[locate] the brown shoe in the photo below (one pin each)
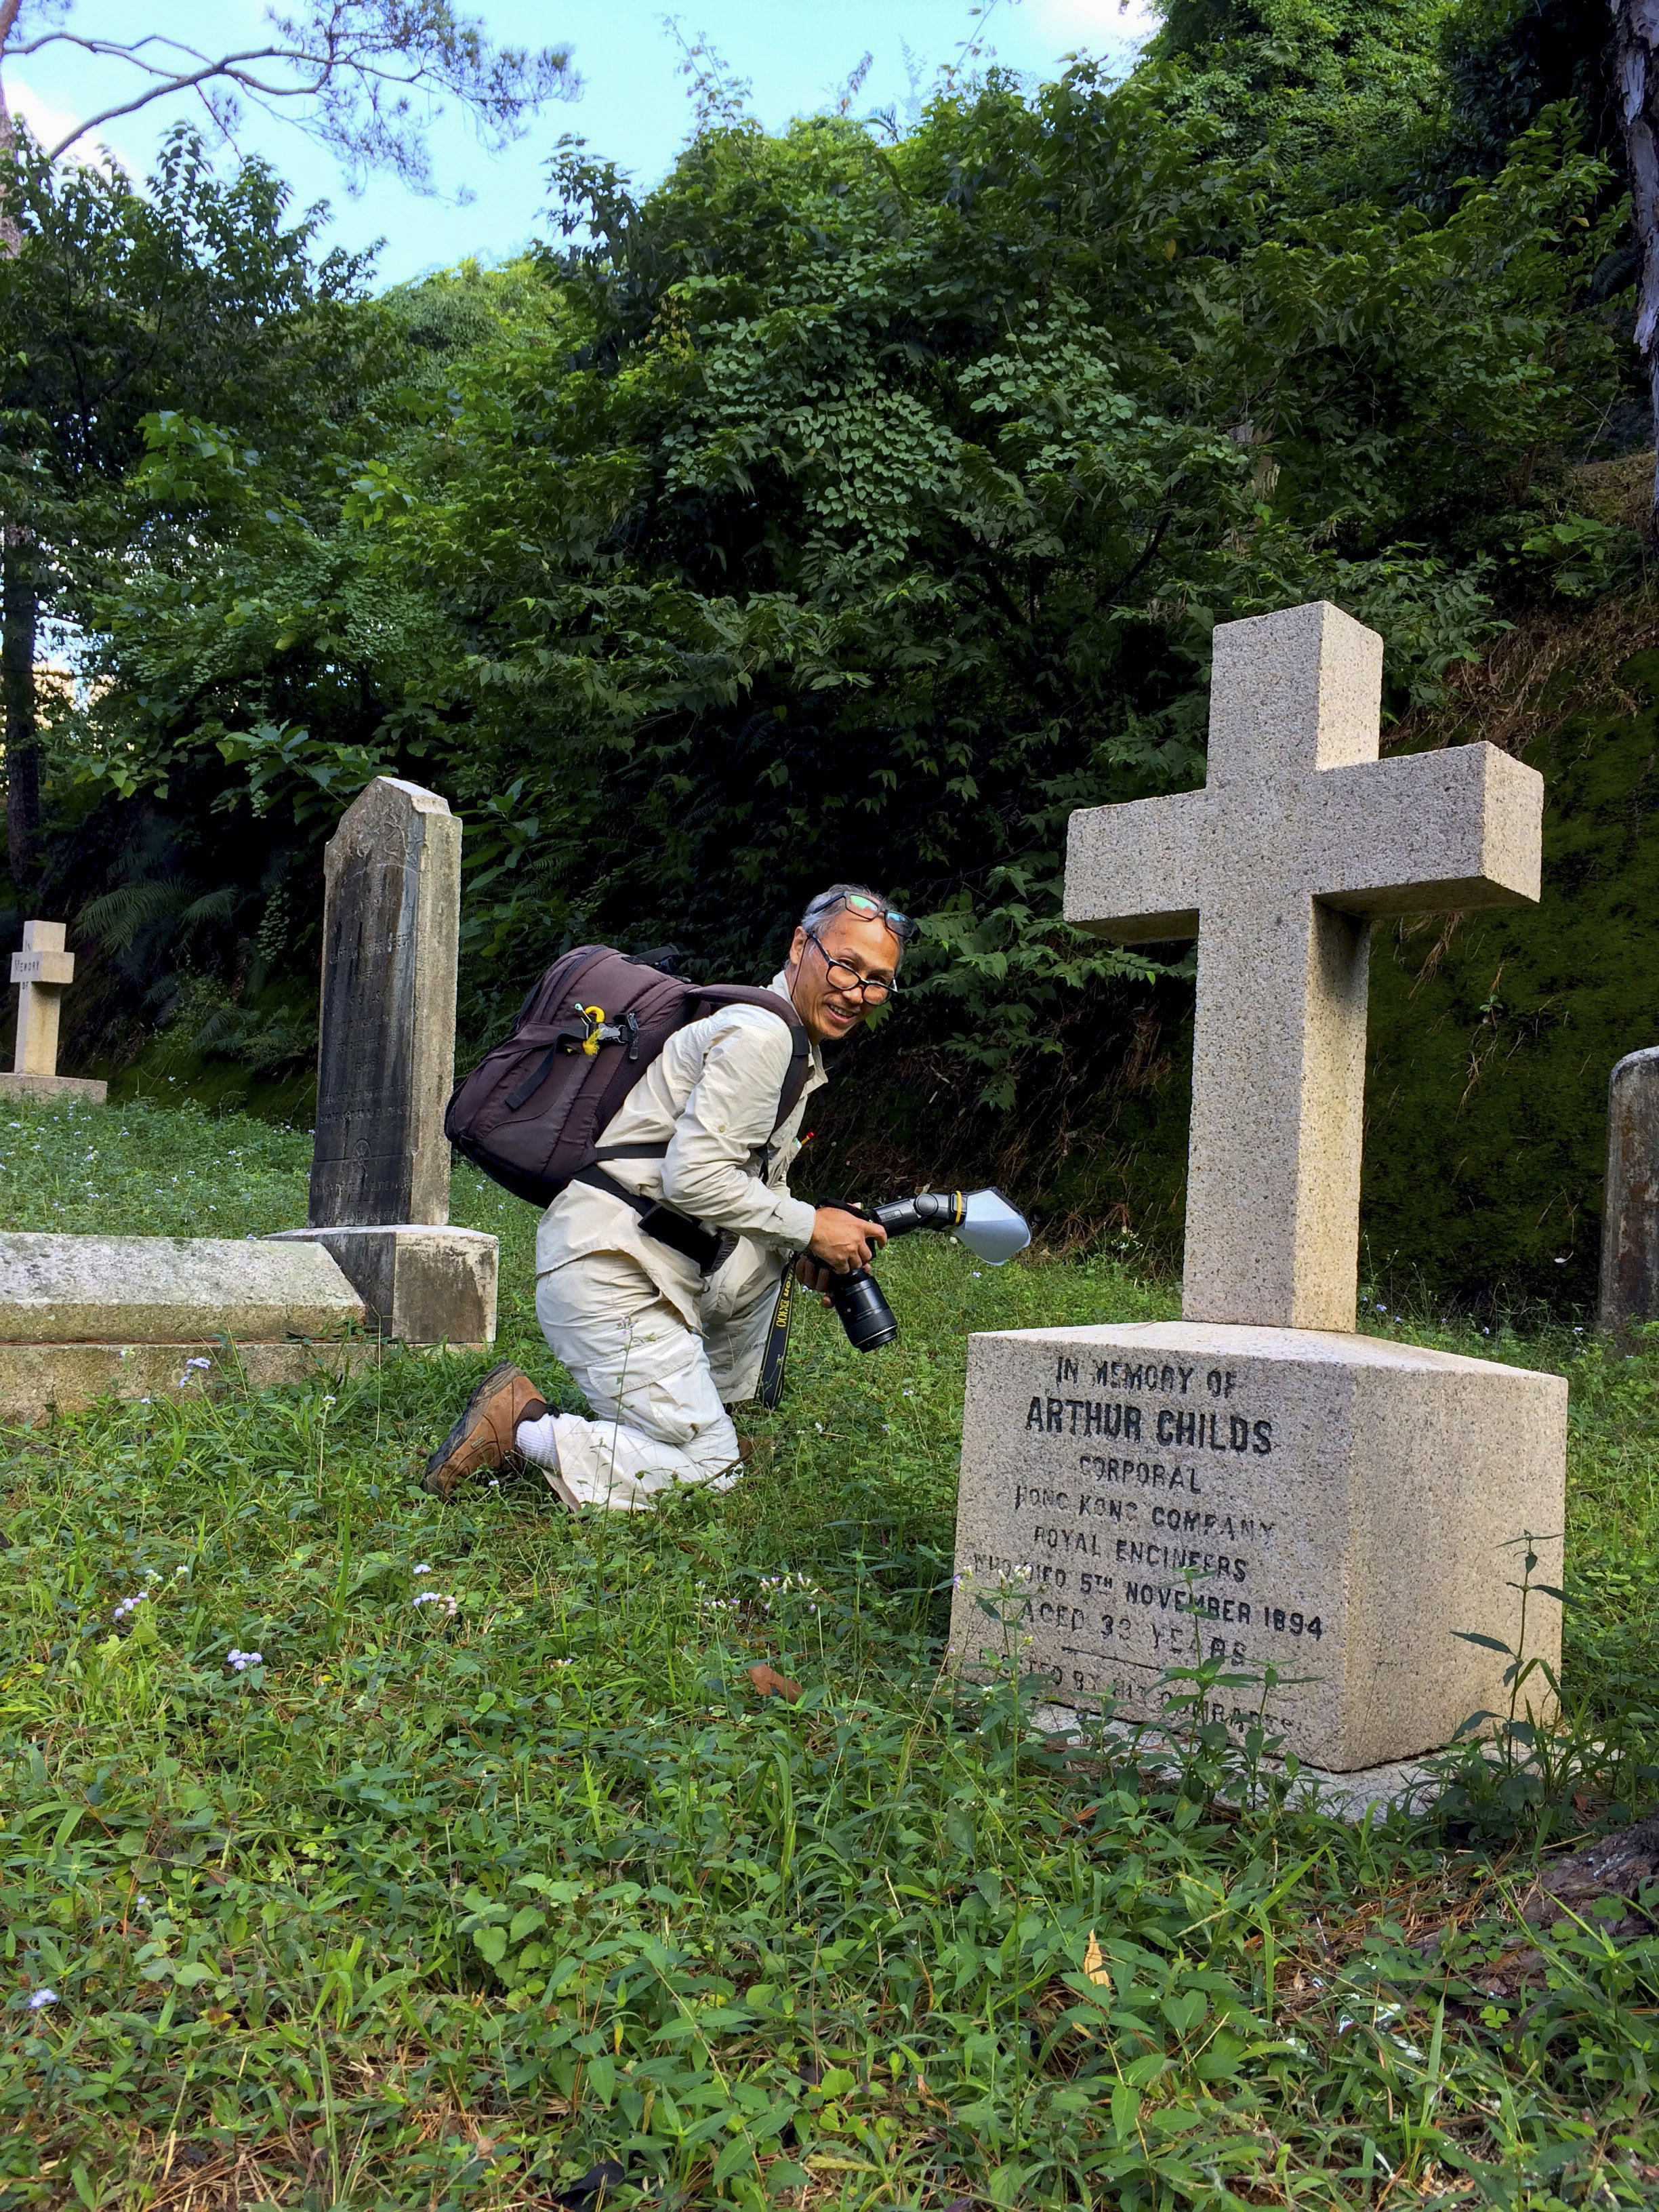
(483, 1436)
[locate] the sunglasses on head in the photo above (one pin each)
(869, 909)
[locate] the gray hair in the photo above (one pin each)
(835, 900)
(827, 902)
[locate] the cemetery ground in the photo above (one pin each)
(359, 1850)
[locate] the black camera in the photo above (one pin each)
(984, 1220)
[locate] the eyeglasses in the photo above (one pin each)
(871, 988)
(868, 910)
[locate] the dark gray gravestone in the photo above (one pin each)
(1630, 1216)
(386, 1061)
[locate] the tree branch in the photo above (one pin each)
(346, 67)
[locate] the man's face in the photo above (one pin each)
(827, 997)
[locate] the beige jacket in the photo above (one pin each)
(712, 1096)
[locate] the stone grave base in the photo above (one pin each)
(37, 1380)
(62, 1089)
(1404, 1783)
(1336, 1508)
(419, 1283)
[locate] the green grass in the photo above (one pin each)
(436, 1909)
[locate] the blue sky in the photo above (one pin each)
(634, 107)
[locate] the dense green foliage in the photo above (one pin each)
(438, 1908)
(198, 292)
(865, 507)
(854, 507)
(1492, 1038)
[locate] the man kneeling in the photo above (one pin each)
(658, 1348)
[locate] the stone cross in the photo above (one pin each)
(1630, 1210)
(41, 970)
(386, 1061)
(1300, 839)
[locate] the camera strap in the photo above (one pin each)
(769, 1388)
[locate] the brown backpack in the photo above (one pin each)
(531, 1112)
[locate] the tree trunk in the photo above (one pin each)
(20, 615)
(11, 238)
(1636, 46)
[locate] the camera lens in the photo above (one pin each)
(866, 1315)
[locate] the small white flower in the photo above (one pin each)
(198, 1363)
(328, 1401)
(422, 1569)
(451, 1605)
(42, 1997)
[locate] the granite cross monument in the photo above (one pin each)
(1324, 1514)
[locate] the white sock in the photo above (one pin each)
(537, 1441)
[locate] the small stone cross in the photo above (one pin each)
(1300, 839)
(41, 970)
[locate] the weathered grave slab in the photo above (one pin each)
(83, 1317)
(1332, 1506)
(1630, 1213)
(40, 971)
(1285, 1494)
(385, 1065)
(168, 1290)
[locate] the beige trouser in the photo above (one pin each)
(658, 1389)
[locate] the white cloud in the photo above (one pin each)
(1092, 26)
(51, 123)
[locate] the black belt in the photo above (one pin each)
(704, 1247)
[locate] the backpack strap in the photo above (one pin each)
(703, 1247)
(719, 995)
